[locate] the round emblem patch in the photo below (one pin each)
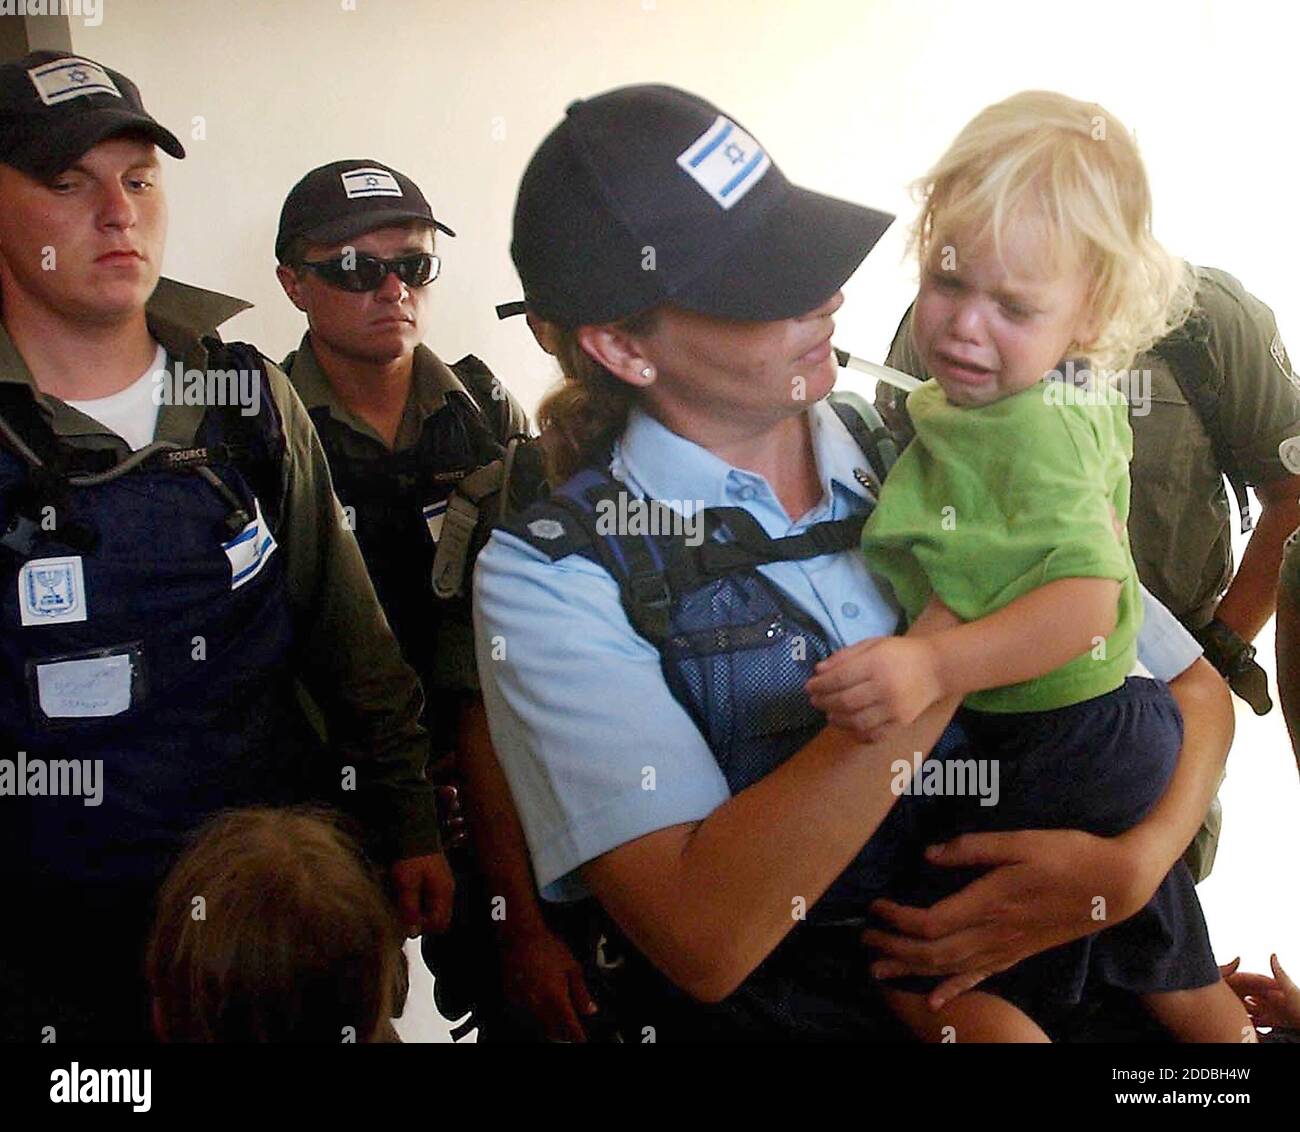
(546, 528)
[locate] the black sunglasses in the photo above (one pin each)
(360, 272)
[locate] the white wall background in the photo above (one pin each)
(853, 97)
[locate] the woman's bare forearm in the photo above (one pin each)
(494, 826)
(709, 901)
(1164, 834)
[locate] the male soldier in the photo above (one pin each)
(1222, 398)
(417, 449)
(172, 561)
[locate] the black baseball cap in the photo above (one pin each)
(648, 194)
(346, 198)
(54, 106)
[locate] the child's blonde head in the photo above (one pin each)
(1071, 170)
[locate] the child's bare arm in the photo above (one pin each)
(887, 681)
(1035, 634)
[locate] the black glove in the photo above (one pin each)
(1235, 660)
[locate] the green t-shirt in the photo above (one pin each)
(990, 503)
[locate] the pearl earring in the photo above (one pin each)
(648, 373)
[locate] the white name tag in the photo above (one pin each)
(249, 550)
(52, 591)
(725, 161)
(434, 514)
(83, 689)
(370, 183)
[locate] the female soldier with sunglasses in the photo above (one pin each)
(400, 429)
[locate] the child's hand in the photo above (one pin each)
(877, 685)
(1269, 1002)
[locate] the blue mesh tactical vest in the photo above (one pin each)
(736, 650)
(146, 628)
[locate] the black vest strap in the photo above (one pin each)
(749, 545)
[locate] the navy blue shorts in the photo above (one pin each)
(1097, 766)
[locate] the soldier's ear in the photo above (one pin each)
(619, 351)
(291, 281)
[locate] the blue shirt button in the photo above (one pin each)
(746, 493)
(850, 609)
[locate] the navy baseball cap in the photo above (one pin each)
(346, 198)
(54, 106)
(647, 194)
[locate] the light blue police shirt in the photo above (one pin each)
(595, 747)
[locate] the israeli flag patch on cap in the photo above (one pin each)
(725, 161)
(70, 78)
(370, 183)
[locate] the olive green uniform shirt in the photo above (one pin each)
(349, 660)
(432, 380)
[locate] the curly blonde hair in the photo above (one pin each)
(1071, 167)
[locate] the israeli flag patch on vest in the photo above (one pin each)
(370, 183)
(725, 161)
(249, 550)
(52, 591)
(70, 78)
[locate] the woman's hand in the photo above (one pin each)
(1044, 888)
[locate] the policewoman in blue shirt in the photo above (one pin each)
(170, 566)
(644, 676)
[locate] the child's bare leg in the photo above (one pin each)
(1206, 1014)
(975, 1016)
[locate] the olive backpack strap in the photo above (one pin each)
(508, 478)
(1187, 353)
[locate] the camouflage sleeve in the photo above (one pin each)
(350, 661)
(1260, 404)
(891, 402)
